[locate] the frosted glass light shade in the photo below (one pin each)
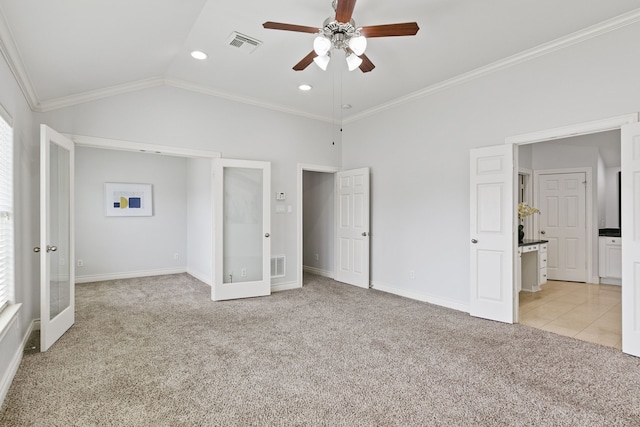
(321, 45)
(358, 44)
(353, 62)
(322, 61)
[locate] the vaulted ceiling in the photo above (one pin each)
(69, 51)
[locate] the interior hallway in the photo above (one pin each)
(583, 311)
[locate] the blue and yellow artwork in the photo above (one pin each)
(128, 199)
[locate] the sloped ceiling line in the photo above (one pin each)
(13, 59)
(15, 63)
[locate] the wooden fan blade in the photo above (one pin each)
(290, 27)
(304, 63)
(345, 10)
(366, 65)
(391, 30)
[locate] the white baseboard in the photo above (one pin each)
(455, 305)
(128, 275)
(285, 286)
(5, 382)
(610, 281)
(202, 277)
(318, 271)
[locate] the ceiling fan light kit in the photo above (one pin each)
(341, 33)
(322, 61)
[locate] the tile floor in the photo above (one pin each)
(583, 311)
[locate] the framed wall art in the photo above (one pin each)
(123, 199)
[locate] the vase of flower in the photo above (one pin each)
(524, 210)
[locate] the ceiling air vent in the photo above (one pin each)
(242, 42)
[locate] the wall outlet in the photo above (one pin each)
(412, 274)
(80, 263)
(176, 256)
(317, 257)
(243, 272)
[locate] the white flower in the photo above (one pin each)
(524, 210)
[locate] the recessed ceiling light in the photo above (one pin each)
(305, 87)
(197, 54)
(346, 106)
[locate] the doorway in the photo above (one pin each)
(187, 246)
(573, 302)
(318, 219)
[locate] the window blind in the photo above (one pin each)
(6, 214)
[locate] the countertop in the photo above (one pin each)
(610, 232)
(529, 242)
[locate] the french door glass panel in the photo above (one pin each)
(242, 234)
(59, 261)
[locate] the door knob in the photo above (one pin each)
(52, 248)
(266, 234)
(474, 241)
(365, 234)
(543, 232)
(36, 249)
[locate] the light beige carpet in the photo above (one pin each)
(158, 352)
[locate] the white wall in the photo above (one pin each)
(199, 219)
(27, 217)
(175, 117)
(318, 222)
(612, 194)
(113, 247)
(419, 152)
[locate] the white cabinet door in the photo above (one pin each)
(493, 245)
(631, 239)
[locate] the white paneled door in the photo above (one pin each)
(492, 233)
(352, 228)
(242, 229)
(562, 204)
(631, 239)
(57, 275)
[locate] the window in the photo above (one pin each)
(6, 213)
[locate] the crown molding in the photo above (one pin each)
(596, 30)
(94, 95)
(181, 84)
(13, 59)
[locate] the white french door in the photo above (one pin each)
(492, 220)
(352, 227)
(57, 274)
(242, 223)
(631, 239)
(562, 204)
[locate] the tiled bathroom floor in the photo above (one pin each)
(583, 311)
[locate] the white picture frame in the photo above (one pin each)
(127, 199)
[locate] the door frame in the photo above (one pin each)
(302, 167)
(589, 238)
(578, 129)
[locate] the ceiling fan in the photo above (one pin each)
(341, 33)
